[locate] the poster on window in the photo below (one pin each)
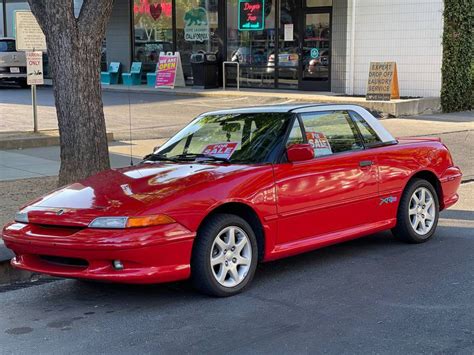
(319, 142)
(153, 22)
(196, 25)
(288, 32)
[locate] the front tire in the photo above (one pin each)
(418, 212)
(224, 256)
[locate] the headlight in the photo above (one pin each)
(21, 217)
(109, 222)
(130, 222)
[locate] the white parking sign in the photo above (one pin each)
(34, 68)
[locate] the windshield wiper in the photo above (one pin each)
(158, 157)
(201, 157)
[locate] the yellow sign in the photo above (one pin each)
(383, 82)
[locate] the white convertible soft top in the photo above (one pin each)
(383, 134)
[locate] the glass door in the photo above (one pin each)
(315, 51)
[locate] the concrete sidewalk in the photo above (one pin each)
(45, 161)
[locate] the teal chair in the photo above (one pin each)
(151, 78)
(135, 75)
(111, 76)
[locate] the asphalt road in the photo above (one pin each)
(372, 295)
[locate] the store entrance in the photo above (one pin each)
(315, 50)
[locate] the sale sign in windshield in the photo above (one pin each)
(220, 150)
(251, 15)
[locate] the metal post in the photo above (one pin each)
(223, 75)
(238, 74)
(35, 111)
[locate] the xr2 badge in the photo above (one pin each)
(389, 199)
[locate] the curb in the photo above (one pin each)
(39, 141)
(8, 274)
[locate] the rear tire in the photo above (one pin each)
(418, 212)
(225, 256)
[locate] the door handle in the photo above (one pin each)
(366, 163)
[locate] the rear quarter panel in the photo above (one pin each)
(397, 164)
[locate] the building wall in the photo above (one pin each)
(339, 45)
(118, 35)
(408, 32)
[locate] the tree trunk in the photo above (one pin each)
(74, 52)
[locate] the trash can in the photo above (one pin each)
(205, 66)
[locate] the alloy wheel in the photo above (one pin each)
(422, 211)
(231, 256)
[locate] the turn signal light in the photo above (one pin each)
(147, 221)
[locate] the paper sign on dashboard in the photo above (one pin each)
(319, 142)
(221, 150)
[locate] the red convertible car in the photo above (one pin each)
(234, 188)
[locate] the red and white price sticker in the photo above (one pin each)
(221, 150)
(319, 142)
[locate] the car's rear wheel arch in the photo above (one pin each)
(248, 214)
(433, 180)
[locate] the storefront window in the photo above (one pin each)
(250, 44)
(153, 31)
(11, 7)
(196, 29)
(288, 56)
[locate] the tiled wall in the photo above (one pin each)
(408, 32)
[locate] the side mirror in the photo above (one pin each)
(299, 152)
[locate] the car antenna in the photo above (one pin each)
(130, 125)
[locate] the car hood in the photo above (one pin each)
(122, 192)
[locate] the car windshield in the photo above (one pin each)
(235, 138)
(7, 46)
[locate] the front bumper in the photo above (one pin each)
(149, 255)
